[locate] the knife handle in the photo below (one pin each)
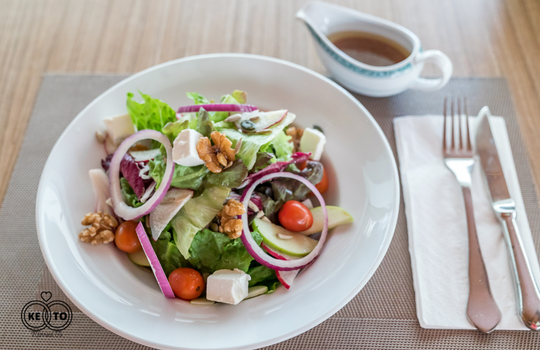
(482, 310)
(527, 290)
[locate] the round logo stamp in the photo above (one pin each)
(55, 315)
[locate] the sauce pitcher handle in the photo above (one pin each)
(440, 60)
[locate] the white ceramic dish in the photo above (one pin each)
(104, 284)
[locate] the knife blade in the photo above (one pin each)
(527, 292)
(491, 164)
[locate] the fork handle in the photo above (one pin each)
(527, 289)
(482, 311)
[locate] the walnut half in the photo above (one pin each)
(228, 222)
(101, 230)
(218, 156)
(296, 134)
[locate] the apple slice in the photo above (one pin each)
(256, 291)
(336, 216)
(268, 119)
(295, 245)
(139, 258)
(255, 122)
(276, 254)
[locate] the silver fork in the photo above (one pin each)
(482, 311)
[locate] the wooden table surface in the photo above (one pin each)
(483, 38)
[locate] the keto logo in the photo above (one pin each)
(55, 315)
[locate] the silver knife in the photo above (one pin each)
(527, 293)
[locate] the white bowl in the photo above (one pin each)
(105, 285)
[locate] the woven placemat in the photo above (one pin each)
(381, 316)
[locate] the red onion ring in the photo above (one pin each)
(218, 107)
(161, 278)
(120, 207)
(257, 252)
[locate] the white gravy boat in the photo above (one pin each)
(323, 19)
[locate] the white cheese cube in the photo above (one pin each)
(313, 142)
(185, 148)
(119, 127)
(227, 286)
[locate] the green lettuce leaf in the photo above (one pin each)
(237, 97)
(231, 177)
(197, 98)
(211, 251)
(282, 147)
(191, 177)
(183, 177)
(157, 169)
(152, 114)
(171, 130)
(168, 254)
(204, 125)
(129, 195)
(196, 214)
(264, 159)
(252, 143)
(261, 274)
(272, 285)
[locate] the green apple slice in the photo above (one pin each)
(256, 291)
(139, 258)
(285, 241)
(336, 217)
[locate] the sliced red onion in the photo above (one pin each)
(161, 278)
(144, 171)
(257, 252)
(120, 207)
(285, 277)
(141, 156)
(298, 157)
(100, 185)
(256, 199)
(148, 192)
(218, 107)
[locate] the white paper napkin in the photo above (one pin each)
(437, 229)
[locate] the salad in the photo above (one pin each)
(221, 201)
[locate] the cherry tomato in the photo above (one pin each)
(186, 283)
(126, 238)
(302, 165)
(323, 185)
(295, 216)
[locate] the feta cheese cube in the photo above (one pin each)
(227, 286)
(119, 127)
(313, 141)
(185, 148)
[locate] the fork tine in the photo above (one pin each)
(468, 136)
(444, 126)
(460, 131)
(452, 119)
